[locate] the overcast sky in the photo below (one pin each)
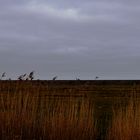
(70, 38)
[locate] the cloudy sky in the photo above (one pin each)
(70, 38)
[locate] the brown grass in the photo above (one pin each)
(126, 122)
(26, 116)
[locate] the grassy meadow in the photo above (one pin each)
(72, 111)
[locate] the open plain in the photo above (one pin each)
(70, 110)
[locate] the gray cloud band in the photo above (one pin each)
(83, 37)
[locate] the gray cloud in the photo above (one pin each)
(70, 38)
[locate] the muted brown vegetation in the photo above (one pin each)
(58, 111)
(29, 116)
(126, 122)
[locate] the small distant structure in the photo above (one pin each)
(3, 75)
(96, 77)
(77, 79)
(54, 78)
(31, 75)
(22, 77)
(27, 77)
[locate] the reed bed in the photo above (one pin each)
(126, 122)
(26, 116)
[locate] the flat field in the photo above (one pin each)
(70, 110)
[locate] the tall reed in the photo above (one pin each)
(30, 116)
(126, 122)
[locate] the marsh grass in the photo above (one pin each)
(126, 122)
(29, 116)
